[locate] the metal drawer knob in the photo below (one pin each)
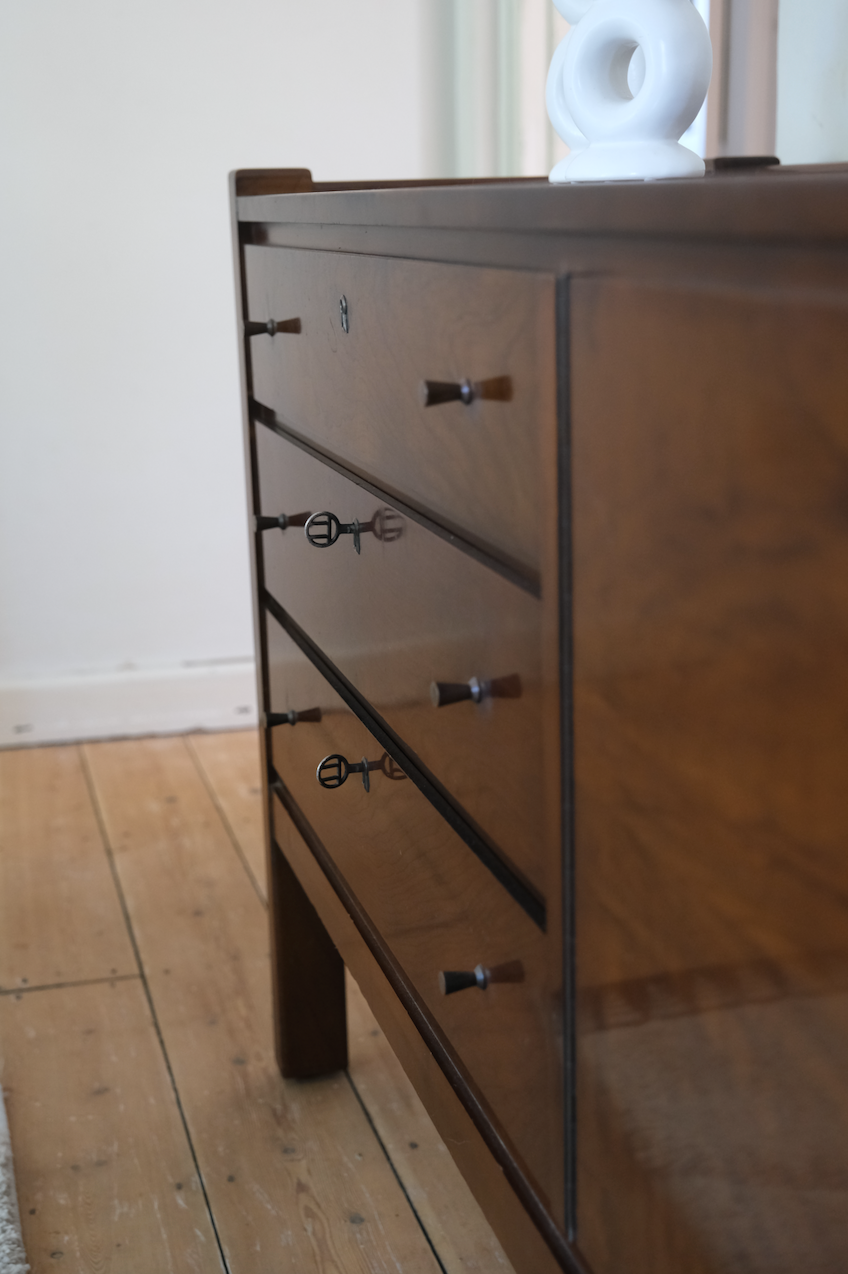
(453, 980)
(324, 529)
(434, 392)
(270, 327)
(443, 693)
(335, 770)
(271, 719)
(282, 520)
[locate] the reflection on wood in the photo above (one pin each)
(737, 1119)
(357, 394)
(711, 744)
(437, 907)
(693, 991)
(403, 614)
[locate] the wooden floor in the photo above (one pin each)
(150, 1128)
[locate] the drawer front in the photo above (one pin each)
(409, 610)
(358, 394)
(437, 908)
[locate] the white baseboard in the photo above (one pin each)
(157, 701)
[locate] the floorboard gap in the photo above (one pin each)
(104, 835)
(397, 1175)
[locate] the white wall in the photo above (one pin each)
(124, 594)
(812, 82)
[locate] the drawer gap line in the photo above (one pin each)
(477, 1110)
(522, 577)
(427, 783)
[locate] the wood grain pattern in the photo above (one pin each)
(293, 1171)
(60, 919)
(230, 764)
(403, 613)
(451, 1216)
(512, 1224)
(105, 1176)
(436, 907)
(309, 982)
(711, 742)
(476, 468)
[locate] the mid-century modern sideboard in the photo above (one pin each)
(550, 506)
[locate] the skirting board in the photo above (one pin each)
(156, 701)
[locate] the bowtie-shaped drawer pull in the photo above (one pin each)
(270, 327)
(335, 770)
(271, 719)
(434, 392)
(324, 529)
(453, 980)
(282, 520)
(443, 693)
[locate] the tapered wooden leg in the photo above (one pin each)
(308, 978)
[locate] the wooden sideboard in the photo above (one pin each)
(550, 501)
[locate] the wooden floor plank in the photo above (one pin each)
(295, 1176)
(229, 763)
(105, 1176)
(449, 1212)
(60, 919)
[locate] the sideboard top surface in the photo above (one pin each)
(776, 204)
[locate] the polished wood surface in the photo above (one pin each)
(358, 394)
(409, 611)
(784, 205)
(699, 567)
(527, 1242)
(710, 487)
(311, 1028)
(436, 907)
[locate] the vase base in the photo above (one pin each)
(628, 161)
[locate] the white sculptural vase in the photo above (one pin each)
(623, 87)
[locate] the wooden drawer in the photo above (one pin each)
(404, 613)
(475, 468)
(436, 908)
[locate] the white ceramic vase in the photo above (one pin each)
(623, 87)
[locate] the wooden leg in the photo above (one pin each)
(308, 974)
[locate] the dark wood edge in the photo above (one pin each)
(563, 1251)
(519, 889)
(299, 181)
(566, 732)
(523, 577)
(271, 181)
(310, 1010)
(769, 203)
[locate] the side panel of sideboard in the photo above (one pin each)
(710, 487)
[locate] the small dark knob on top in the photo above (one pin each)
(443, 693)
(272, 719)
(270, 327)
(452, 980)
(435, 392)
(282, 520)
